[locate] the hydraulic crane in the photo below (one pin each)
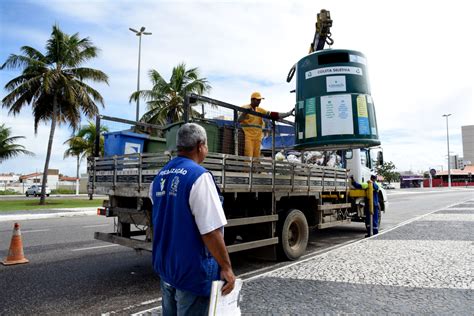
(322, 36)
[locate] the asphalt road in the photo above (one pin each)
(70, 272)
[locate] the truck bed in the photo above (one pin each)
(131, 175)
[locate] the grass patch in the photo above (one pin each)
(63, 191)
(33, 204)
(9, 192)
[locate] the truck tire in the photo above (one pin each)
(293, 234)
(27, 195)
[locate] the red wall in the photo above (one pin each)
(439, 183)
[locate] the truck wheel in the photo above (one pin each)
(27, 195)
(293, 233)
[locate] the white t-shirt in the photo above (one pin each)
(205, 204)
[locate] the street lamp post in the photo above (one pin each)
(449, 159)
(139, 34)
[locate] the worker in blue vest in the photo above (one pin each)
(188, 228)
(375, 222)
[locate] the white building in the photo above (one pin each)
(456, 162)
(6, 178)
(468, 144)
(37, 178)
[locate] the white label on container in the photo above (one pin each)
(336, 115)
(357, 59)
(336, 70)
(132, 148)
(369, 99)
(300, 135)
(335, 83)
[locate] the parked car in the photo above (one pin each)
(388, 186)
(35, 190)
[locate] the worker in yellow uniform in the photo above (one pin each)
(253, 125)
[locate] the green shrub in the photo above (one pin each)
(63, 191)
(9, 192)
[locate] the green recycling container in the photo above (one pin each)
(212, 131)
(155, 145)
(334, 107)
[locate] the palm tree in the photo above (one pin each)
(8, 146)
(82, 145)
(53, 84)
(165, 100)
(76, 148)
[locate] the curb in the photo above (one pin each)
(60, 213)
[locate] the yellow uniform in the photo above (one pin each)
(252, 126)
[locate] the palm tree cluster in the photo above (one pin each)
(8, 147)
(53, 84)
(166, 99)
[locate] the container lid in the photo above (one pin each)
(128, 133)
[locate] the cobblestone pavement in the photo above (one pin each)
(422, 268)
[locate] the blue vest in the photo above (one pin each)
(179, 254)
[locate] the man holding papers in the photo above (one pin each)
(188, 225)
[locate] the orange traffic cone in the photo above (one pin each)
(15, 254)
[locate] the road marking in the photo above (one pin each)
(97, 247)
(121, 311)
(157, 309)
(100, 225)
(35, 231)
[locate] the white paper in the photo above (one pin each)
(225, 304)
(336, 115)
(335, 83)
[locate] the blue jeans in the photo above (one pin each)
(375, 219)
(177, 302)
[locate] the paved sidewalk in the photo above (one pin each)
(422, 268)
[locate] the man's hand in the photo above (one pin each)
(214, 241)
(286, 114)
(229, 277)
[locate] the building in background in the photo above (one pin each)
(409, 179)
(468, 144)
(37, 178)
(456, 162)
(6, 178)
(459, 178)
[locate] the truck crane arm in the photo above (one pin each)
(322, 36)
(323, 32)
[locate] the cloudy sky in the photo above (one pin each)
(420, 60)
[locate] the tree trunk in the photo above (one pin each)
(77, 175)
(48, 153)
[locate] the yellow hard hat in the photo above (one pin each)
(256, 95)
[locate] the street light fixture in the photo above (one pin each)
(447, 137)
(139, 34)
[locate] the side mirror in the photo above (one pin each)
(380, 158)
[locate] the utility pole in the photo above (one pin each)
(139, 34)
(449, 159)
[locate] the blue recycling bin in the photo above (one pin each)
(123, 143)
